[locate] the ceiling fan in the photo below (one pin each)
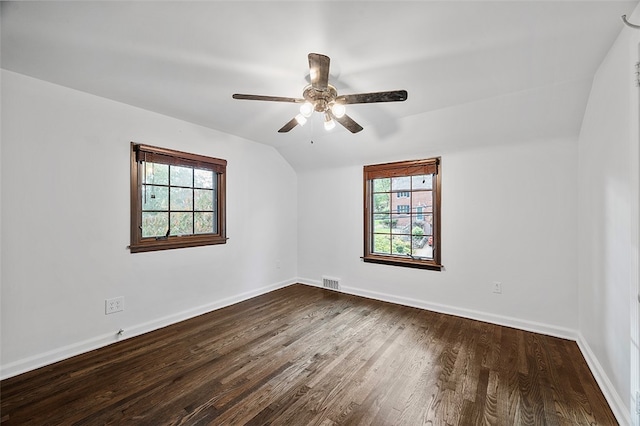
(322, 97)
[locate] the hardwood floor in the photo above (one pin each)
(304, 355)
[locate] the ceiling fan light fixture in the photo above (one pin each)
(328, 122)
(307, 109)
(338, 110)
(301, 119)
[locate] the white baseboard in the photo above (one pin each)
(613, 398)
(59, 354)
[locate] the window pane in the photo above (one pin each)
(421, 201)
(417, 242)
(428, 224)
(401, 245)
(155, 197)
(203, 223)
(181, 223)
(155, 173)
(181, 199)
(400, 224)
(382, 223)
(422, 182)
(417, 230)
(382, 243)
(181, 176)
(418, 238)
(203, 199)
(154, 224)
(401, 183)
(202, 178)
(423, 248)
(382, 185)
(381, 203)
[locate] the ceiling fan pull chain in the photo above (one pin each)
(629, 24)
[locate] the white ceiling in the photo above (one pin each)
(477, 72)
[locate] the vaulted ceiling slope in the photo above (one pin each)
(477, 72)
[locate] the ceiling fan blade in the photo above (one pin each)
(367, 98)
(290, 125)
(348, 123)
(267, 98)
(319, 71)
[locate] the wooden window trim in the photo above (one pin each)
(399, 169)
(149, 153)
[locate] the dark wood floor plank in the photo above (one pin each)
(418, 376)
(303, 355)
(361, 380)
(368, 346)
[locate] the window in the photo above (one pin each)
(403, 234)
(177, 199)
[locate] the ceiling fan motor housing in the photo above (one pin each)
(320, 99)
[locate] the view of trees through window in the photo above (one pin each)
(177, 200)
(402, 216)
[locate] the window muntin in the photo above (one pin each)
(402, 213)
(177, 199)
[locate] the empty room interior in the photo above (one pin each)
(320, 212)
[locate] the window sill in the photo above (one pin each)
(152, 244)
(408, 263)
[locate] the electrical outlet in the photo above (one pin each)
(114, 305)
(497, 287)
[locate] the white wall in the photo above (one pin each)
(608, 226)
(508, 215)
(65, 224)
